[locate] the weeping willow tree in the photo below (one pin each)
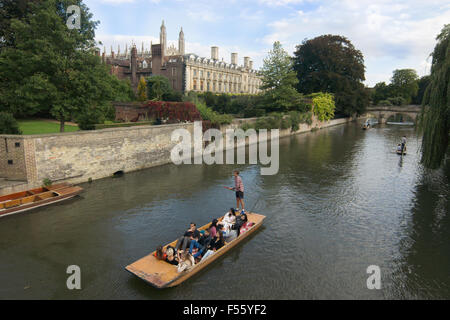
(435, 115)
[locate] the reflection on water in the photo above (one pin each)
(341, 201)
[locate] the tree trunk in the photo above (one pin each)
(61, 126)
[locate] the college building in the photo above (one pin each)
(185, 71)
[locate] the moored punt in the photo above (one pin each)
(162, 274)
(30, 199)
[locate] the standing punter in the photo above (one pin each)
(239, 188)
(403, 143)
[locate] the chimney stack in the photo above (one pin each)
(246, 62)
(234, 58)
(215, 53)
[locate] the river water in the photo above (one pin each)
(341, 201)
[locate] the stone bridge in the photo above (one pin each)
(383, 113)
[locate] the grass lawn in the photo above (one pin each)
(42, 126)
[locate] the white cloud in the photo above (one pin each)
(400, 33)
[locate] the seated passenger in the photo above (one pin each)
(185, 241)
(399, 147)
(170, 252)
(240, 221)
(160, 253)
(186, 262)
(218, 241)
(229, 219)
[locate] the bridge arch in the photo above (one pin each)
(384, 113)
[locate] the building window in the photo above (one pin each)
(195, 72)
(10, 162)
(201, 85)
(195, 85)
(207, 86)
(17, 144)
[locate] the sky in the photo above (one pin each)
(390, 34)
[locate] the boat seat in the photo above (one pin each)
(12, 203)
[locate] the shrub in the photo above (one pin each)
(280, 121)
(384, 103)
(324, 105)
(253, 112)
(47, 182)
(90, 117)
(8, 124)
(397, 101)
(213, 116)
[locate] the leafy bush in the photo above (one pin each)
(8, 125)
(47, 182)
(253, 112)
(213, 116)
(91, 116)
(275, 120)
(324, 105)
(397, 101)
(384, 103)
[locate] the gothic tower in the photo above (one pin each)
(134, 66)
(181, 42)
(163, 38)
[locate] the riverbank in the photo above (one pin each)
(77, 157)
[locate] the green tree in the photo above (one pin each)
(9, 10)
(330, 63)
(53, 69)
(423, 84)
(157, 86)
(279, 80)
(381, 92)
(8, 125)
(323, 105)
(142, 90)
(404, 84)
(435, 116)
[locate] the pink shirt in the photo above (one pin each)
(238, 185)
(212, 232)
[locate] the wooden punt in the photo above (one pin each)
(162, 274)
(34, 198)
(400, 152)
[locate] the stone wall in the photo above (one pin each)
(76, 157)
(12, 158)
(129, 111)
